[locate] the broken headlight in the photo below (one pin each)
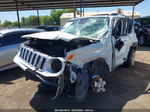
(56, 65)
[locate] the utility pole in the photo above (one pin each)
(19, 25)
(38, 16)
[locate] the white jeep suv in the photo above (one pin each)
(81, 55)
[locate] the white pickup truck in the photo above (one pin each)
(81, 55)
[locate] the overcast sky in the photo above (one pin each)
(143, 8)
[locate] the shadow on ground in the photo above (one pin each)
(6, 77)
(124, 85)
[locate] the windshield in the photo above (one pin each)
(92, 27)
(146, 22)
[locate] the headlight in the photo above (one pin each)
(56, 65)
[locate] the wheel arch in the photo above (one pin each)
(98, 67)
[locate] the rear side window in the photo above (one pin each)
(125, 27)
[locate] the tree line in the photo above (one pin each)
(32, 21)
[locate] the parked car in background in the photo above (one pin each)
(49, 27)
(142, 29)
(10, 40)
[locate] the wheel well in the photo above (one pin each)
(99, 67)
(133, 47)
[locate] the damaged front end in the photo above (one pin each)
(47, 61)
(66, 61)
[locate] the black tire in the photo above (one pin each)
(131, 58)
(142, 40)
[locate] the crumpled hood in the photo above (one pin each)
(54, 35)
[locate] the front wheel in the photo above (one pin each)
(131, 58)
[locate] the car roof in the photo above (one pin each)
(115, 15)
(5, 31)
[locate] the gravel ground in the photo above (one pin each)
(127, 88)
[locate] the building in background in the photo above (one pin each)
(67, 16)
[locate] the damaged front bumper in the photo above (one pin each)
(29, 74)
(35, 75)
(58, 82)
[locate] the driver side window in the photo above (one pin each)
(119, 28)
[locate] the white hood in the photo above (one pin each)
(53, 35)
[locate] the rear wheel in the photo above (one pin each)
(131, 58)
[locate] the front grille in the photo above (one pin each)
(32, 58)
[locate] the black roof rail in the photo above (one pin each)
(101, 14)
(113, 14)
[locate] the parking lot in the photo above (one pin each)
(127, 88)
